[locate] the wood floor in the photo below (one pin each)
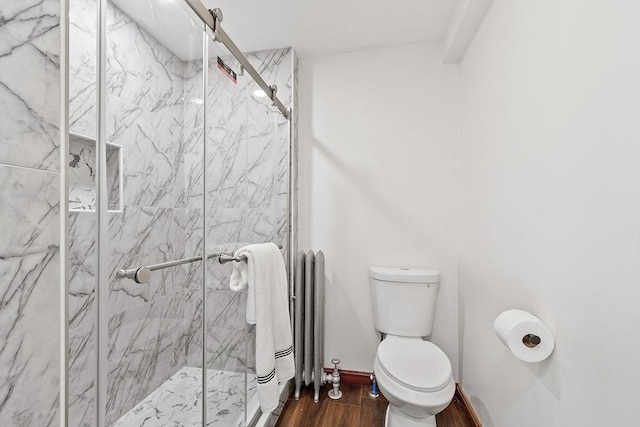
(355, 409)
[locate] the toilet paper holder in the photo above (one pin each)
(531, 340)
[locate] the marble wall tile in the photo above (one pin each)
(140, 70)
(29, 212)
(82, 40)
(149, 148)
(29, 295)
(227, 141)
(82, 107)
(259, 226)
(223, 226)
(282, 153)
(218, 274)
(139, 236)
(142, 352)
(122, 116)
(188, 240)
(261, 159)
(188, 236)
(224, 308)
(227, 349)
(190, 342)
(82, 67)
(193, 95)
(227, 167)
(189, 169)
(229, 336)
(82, 268)
(276, 67)
(30, 83)
(82, 372)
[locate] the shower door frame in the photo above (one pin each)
(101, 330)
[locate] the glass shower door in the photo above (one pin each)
(183, 174)
(246, 201)
(226, 210)
(154, 116)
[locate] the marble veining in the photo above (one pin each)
(143, 351)
(82, 268)
(178, 401)
(29, 212)
(30, 83)
(29, 292)
(82, 366)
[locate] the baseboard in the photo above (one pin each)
(352, 377)
(363, 378)
(470, 413)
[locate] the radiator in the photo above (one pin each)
(308, 321)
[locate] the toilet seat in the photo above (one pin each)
(416, 364)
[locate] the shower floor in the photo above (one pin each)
(178, 401)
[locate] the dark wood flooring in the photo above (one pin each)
(355, 409)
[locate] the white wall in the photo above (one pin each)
(378, 132)
(549, 210)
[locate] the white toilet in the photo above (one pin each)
(414, 375)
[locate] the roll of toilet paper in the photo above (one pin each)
(525, 335)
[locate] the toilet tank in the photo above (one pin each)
(403, 300)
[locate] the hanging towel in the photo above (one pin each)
(264, 275)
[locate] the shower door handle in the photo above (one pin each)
(139, 275)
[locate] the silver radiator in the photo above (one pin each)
(308, 322)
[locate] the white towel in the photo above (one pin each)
(265, 277)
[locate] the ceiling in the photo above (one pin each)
(313, 27)
(170, 22)
(324, 27)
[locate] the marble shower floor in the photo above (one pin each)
(178, 401)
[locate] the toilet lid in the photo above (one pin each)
(418, 364)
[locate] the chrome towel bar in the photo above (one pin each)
(143, 274)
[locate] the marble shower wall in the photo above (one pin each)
(29, 212)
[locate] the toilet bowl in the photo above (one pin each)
(416, 378)
(413, 374)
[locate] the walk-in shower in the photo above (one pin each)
(135, 139)
(195, 164)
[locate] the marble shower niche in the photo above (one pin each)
(82, 174)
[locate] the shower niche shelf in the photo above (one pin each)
(82, 179)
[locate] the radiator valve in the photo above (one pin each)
(334, 379)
